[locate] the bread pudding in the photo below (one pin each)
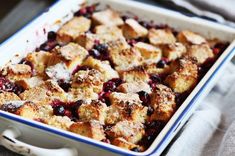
(108, 76)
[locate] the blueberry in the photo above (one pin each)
(144, 97)
(95, 53)
(59, 110)
(109, 86)
(102, 48)
(161, 64)
(155, 78)
(51, 36)
(150, 111)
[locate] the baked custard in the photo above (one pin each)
(114, 78)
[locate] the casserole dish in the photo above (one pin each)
(34, 34)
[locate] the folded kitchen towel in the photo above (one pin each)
(222, 11)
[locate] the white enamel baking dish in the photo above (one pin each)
(41, 139)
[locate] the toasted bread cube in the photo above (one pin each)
(62, 122)
(73, 55)
(163, 103)
(17, 71)
(200, 52)
(121, 142)
(92, 129)
(174, 51)
(40, 60)
(161, 36)
(36, 94)
(125, 59)
(116, 98)
(30, 82)
(8, 96)
(133, 30)
(126, 111)
(188, 38)
(71, 51)
(28, 110)
(135, 75)
(184, 76)
(134, 87)
(153, 69)
(92, 78)
(102, 66)
(45, 112)
(43, 93)
(125, 107)
(96, 110)
(150, 54)
(87, 40)
(107, 29)
(70, 30)
(116, 46)
(107, 17)
(82, 93)
(130, 131)
(58, 72)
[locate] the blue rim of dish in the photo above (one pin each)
(77, 138)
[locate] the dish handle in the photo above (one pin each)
(9, 140)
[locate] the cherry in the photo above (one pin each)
(59, 110)
(144, 97)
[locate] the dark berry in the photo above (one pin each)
(155, 78)
(90, 9)
(132, 42)
(216, 51)
(144, 97)
(51, 36)
(161, 64)
(111, 85)
(135, 149)
(9, 108)
(106, 141)
(48, 46)
(102, 48)
(104, 97)
(59, 110)
(68, 113)
(64, 85)
(150, 111)
(81, 12)
(144, 23)
(95, 53)
(8, 86)
(125, 17)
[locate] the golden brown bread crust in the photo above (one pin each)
(135, 75)
(129, 130)
(70, 30)
(121, 142)
(107, 17)
(92, 129)
(184, 75)
(163, 103)
(188, 38)
(149, 53)
(96, 110)
(8, 96)
(16, 72)
(134, 87)
(174, 50)
(161, 36)
(133, 30)
(88, 78)
(201, 53)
